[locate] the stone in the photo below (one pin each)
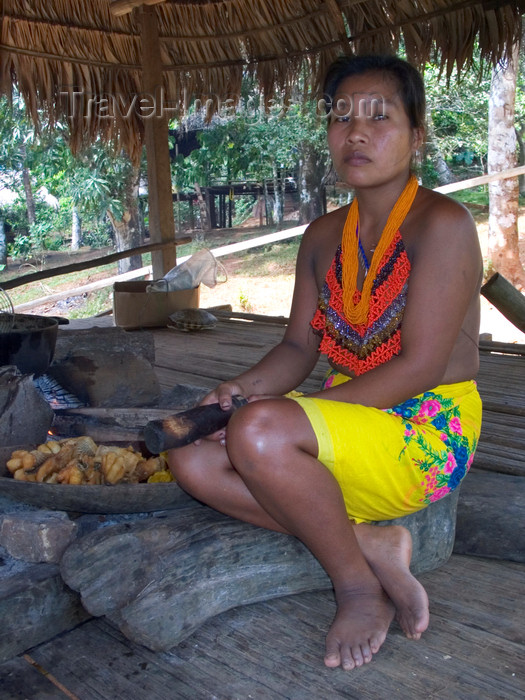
(37, 536)
(160, 578)
(35, 605)
(491, 513)
(25, 416)
(109, 340)
(106, 367)
(101, 378)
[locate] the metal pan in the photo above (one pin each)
(121, 498)
(30, 343)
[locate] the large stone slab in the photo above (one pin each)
(159, 579)
(109, 339)
(106, 367)
(25, 417)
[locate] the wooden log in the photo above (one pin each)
(498, 347)
(186, 427)
(262, 318)
(158, 579)
(506, 298)
(156, 137)
(87, 264)
(481, 180)
(490, 517)
(497, 461)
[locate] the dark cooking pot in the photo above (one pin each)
(30, 344)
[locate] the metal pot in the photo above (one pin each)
(30, 344)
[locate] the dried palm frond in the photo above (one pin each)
(67, 57)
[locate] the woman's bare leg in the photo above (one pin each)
(281, 486)
(388, 550)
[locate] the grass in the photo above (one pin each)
(264, 261)
(276, 259)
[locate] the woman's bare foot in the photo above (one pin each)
(388, 551)
(359, 627)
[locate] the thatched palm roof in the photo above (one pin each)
(48, 47)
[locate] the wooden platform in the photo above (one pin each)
(474, 648)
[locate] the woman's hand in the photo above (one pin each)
(222, 395)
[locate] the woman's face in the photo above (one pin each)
(370, 137)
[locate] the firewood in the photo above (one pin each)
(186, 427)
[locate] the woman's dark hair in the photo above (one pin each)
(409, 81)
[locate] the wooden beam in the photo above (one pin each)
(124, 7)
(160, 198)
(481, 180)
(15, 282)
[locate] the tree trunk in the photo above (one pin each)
(128, 230)
(278, 204)
(3, 245)
(311, 175)
(30, 200)
(268, 202)
(204, 210)
(443, 172)
(76, 229)
(520, 135)
(503, 240)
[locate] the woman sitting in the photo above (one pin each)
(387, 288)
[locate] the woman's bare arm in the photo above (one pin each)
(287, 365)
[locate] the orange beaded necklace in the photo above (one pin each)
(357, 312)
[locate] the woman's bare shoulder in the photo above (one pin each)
(330, 223)
(438, 219)
(441, 212)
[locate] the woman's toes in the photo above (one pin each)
(332, 658)
(350, 658)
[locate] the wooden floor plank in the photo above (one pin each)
(474, 648)
(21, 681)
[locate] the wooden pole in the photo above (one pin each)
(160, 198)
(507, 299)
(15, 282)
(482, 180)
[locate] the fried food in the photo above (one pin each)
(81, 461)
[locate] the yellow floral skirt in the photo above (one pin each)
(395, 461)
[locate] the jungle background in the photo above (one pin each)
(244, 171)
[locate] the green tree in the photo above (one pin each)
(17, 150)
(263, 143)
(457, 124)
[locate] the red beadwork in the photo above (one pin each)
(365, 354)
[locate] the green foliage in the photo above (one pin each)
(243, 209)
(459, 118)
(21, 248)
(33, 239)
(252, 142)
(98, 234)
